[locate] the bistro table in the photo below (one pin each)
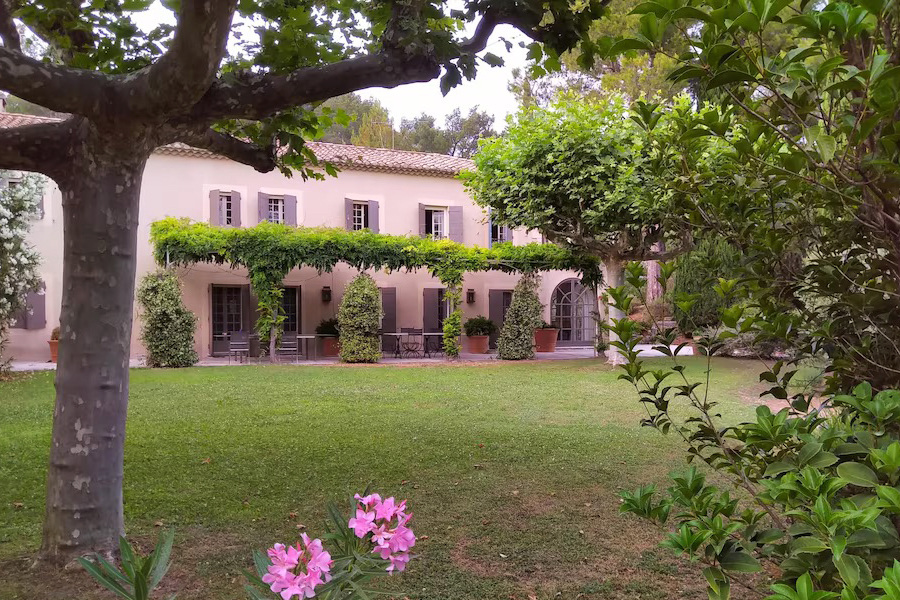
(434, 343)
(397, 343)
(306, 340)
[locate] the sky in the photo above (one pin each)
(488, 90)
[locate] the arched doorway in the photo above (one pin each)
(572, 310)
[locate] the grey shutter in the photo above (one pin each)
(290, 211)
(235, 209)
(348, 214)
(431, 307)
(507, 234)
(456, 223)
(262, 207)
(421, 220)
(374, 223)
(389, 318)
(495, 313)
(37, 305)
(214, 207)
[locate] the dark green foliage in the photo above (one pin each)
(328, 327)
(167, 328)
(523, 317)
(139, 575)
(696, 275)
(479, 325)
(359, 318)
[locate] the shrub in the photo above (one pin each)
(168, 327)
(695, 276)
(523, 317)
(479, 325)
(328, 327)
(451, 329)
(359, 318)
(54, 334)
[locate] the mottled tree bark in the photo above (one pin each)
(84, 479)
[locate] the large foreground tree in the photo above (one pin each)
(239, 79)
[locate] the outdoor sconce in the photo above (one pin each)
(326, 294)
(470, 296)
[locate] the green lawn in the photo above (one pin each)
(512, 471)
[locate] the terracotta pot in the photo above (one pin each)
(54, 349)
(545, 340)
(478, 344)
(330, 346)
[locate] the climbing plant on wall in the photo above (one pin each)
(269, 251)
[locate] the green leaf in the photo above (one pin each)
(161, 557)
(858, 474)
(650, 7)
(826, 145)
(739, 561)
(808, 544)
(728, 76)
(626, 45)
(689, 12)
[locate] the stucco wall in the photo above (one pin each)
(179, 186)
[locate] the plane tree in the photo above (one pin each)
(241, 79)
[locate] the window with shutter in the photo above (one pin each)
(360, 216)
(275, 213)
(436, 222)
(226, 209)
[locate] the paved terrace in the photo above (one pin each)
(560, 354)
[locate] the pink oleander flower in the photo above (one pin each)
(386, 521)
(363, 523)
(296, 571)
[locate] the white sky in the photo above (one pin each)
(487, 91)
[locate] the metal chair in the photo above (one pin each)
(434, 344)
(239, 346)
(412, 344)
(289, 345)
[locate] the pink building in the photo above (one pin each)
(387, 191)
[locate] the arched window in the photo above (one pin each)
(572, 310)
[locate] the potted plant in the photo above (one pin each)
(328, 330)
(545, 337)
(54, 344)
(478, 330)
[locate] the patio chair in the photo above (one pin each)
(238, 346)
(412, 343)
(434, 344)
(288, 346)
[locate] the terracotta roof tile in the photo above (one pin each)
(358, 158)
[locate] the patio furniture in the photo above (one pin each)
(307, 341)
(238, 346)
(289, 345)
(390, 342)
(434, 344)
(412, 342)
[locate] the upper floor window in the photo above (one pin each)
(276, 210)
(500, 233)
(436, 222)
(226, 209)
(360, 216)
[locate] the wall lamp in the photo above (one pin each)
(326, 294)
(470, 296)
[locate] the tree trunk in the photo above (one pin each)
(615, 276)
(273, 335)
(84, 479)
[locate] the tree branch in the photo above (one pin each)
(184, 73)
(255, 96)
(260, 158)
(56, 87)
(8, 32)
(40, 148)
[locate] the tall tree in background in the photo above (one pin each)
(130, 91)
(464, 133)
(359, 110)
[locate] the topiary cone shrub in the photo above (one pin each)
(359, 318)
(167, 328)
(523, 317)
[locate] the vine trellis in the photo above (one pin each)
(270, 251)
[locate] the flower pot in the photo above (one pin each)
(330, 347)
(54, 349)
(545, 340)
(478, 344)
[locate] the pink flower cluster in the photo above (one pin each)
(296, 571)
(386, 521)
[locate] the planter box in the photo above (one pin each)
(330, 347)
(478, 344)
(545, 340)
(54, 349)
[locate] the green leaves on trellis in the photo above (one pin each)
(276, 249)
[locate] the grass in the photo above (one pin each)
(512, 471)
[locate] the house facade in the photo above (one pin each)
(387, 191)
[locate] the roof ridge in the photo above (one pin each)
(397, 150)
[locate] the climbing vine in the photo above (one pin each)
(269, 251)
